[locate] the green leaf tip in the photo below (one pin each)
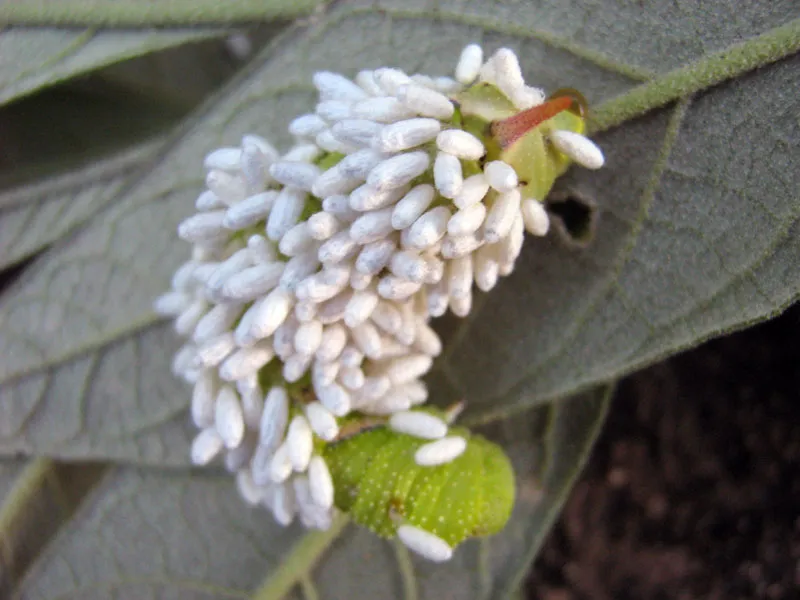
(44, 497)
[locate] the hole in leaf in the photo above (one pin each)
(574, 216)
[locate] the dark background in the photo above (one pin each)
(693, 490)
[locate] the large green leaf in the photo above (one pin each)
(34, 216)
(32, 59)
(696, 231)
(164, 12)
(697, 234)
(166, 535)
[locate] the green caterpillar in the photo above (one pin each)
(379, 484)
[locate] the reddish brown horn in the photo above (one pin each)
(509, 130)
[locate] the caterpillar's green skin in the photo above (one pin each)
(536, 161)
(378, 483)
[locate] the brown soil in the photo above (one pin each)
(693, 490)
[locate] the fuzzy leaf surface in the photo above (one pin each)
(696, 231)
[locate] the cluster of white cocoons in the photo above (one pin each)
(325, 280)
